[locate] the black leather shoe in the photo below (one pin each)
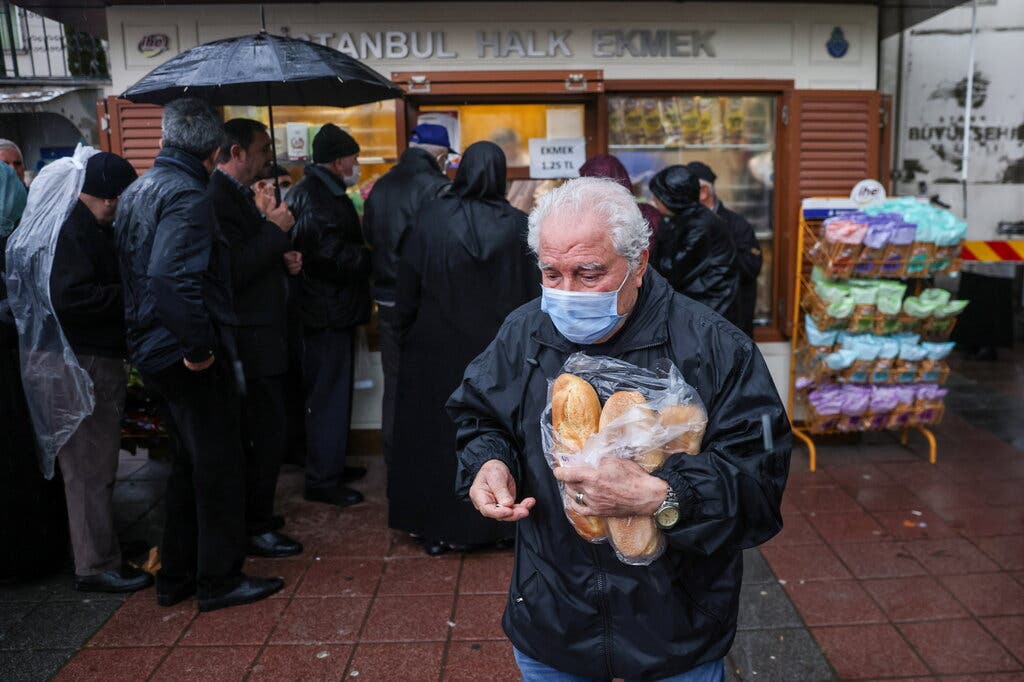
(342, 496)
(353, 474)
(248, 591)
(171, 596)
(273, 545)
(276, 522)
(124, 579)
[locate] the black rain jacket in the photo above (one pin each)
(335, 277)
(175, 266)
(748, 263)
(573, 605)
(694, 251)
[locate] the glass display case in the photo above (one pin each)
(733, 134)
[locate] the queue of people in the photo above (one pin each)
(204, 278)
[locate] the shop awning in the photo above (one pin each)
(34, 98)
(89, 15)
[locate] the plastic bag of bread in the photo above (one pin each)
(601, 407)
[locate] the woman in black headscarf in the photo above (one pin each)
(464, 268)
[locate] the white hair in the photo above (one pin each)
(606, 199)
(8, 144)
(432, 149)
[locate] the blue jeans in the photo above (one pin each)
(535, 671)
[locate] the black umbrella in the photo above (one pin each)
(263, 70)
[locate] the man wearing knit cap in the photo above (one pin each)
(85, 287)
(333, 300)
(748, 249)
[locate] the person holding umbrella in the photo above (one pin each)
(333, 300)
(175, 265)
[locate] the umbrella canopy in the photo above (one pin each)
(264, 69)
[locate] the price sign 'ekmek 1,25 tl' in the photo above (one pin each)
(557, 158)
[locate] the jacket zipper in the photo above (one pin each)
(605, 609)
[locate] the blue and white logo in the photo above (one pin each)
(837, 44)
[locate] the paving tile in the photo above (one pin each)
(320, 662)
(829, 498)
(342, 578)
(32, 666)
(491, 572)
(833, 602)
(766, 607)
(314, 620)
(958, 646)
(55, 587)
(858, 474)
(800, 476)
(408, 619)
(755, 569)
(112, 665)
(841, 527)
(906, 525)
(886, 498)
(950, 494)
(878, 560)
(1009, 631)
(917, 598)
(402, 545)
(478, 616)
(866, 651)
(984, 677)
(952, 556)
(978, 523)
(220, 663)
(789, 654)
(987, 594)
(11, 614)
(59, 625)
(999, 492)
(141, 622)
(395, 661)
(419, 576)
(289, 570)
(796, 530)
(1006, 550)
(249, 624)
(804, 562)
(473, 661)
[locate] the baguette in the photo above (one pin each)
(575, 416)
(689, 441)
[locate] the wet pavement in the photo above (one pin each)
(888, 568)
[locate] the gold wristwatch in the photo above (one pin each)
(667, 515)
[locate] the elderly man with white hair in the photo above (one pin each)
(10, 153)
(575, 612)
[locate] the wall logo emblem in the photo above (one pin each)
(154, 44)
(837, 44)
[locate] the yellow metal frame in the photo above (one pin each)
(800, 282)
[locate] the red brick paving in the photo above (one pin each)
(907, 570)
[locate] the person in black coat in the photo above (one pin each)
(261, 259)
(573, 606)
(748, 249)
(465, 266)
(692, 247)
(334, 298)
(390, 211)
(176, 268)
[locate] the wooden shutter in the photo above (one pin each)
(131, 130)
(833, 142)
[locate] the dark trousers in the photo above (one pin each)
(263, 440)
(204, 535)
(388, 326)
(327, 369)
(88, 464)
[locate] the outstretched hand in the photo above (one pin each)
(493, 493)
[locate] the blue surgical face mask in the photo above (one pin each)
(583, 317)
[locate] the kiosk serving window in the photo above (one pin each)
(733, 134)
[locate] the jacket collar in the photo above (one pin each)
(420, 161)
(646, 327)
(179, 158)
(331, 182)
(232, 181)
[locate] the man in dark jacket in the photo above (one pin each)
(390, 212)
(748, 249)
(261, 258)
(573, 606)
(692, 248)
(176, 269)
(333, 300)
(85, 288)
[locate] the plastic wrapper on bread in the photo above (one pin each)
(601, 407)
